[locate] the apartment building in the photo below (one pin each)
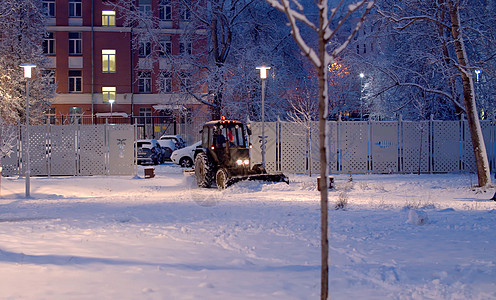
(101, 72)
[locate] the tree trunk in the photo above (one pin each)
(478, 145)
(323, 106)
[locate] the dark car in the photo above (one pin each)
(149, 152)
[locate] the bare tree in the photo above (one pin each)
(449, 55)
(329, 23)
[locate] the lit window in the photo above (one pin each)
(49, 43)
(108, 18)
(75, 81)
(108, 61)
(75, 8)
(108, 93)
(75, 43)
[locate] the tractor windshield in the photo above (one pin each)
(233, 134)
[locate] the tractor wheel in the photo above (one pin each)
(186, 162)
(203, 170)
(221, 179)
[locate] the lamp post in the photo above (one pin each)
(111, 101)
(263, 76)
(27, 74)
(361, 96)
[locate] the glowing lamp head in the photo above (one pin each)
(27, 69)
(111, 101)
(362, 75)
(263, 71)
(222, 118)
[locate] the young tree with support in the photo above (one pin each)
(329, 23)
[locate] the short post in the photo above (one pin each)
(330, 185)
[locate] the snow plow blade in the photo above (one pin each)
(279, 177)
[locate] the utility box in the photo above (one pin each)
(149, 172)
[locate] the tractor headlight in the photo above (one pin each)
(241, 162)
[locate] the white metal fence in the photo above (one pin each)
(73, 150)
(373, 146)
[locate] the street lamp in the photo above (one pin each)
(27, 74)
(263, 76)
(111, 101)
(361, 97)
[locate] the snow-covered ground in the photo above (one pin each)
(399, 237)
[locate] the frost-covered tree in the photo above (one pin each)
(22, 30)
(230, 39)
(430, 51)
(317, 47)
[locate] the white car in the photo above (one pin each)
(185, 156)
(176, 139)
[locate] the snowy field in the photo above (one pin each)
(399, 237)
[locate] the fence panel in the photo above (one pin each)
(415, 147)
(271, 145)
(468, 157)
(121, 149)
(332, 139)
(384, 147)
(62, 149)
(10, 163)
(37, 149)
(293, 148)
(353, 144)
(92, 150)
(446, 146)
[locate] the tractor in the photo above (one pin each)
(224, 156)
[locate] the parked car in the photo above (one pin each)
(176, 139)
(168, 146)
(185, 156)
(149, 152)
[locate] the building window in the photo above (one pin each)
(145, 82)
(75, 115)
(50, 115)
(145, 114)
(185, 11)
(108, 18)
(144, 49)
(75, 8)
(108, 61)
(358, 49)
(165, 10)
(49, 8)
(75, 43)
(185, 80)
(108, 93)
(165, 82)
(364, 48)
(145, 8)
(165, 48)
(75, 81)
(49, 44)
(185, 47)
